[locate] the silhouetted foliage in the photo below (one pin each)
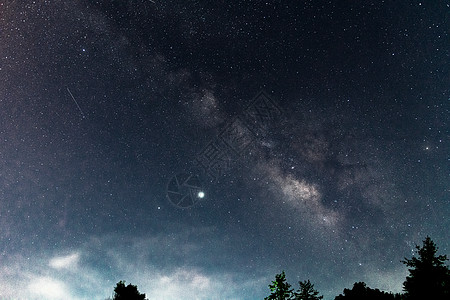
(281, 290)
(361, 291)
(306, 292)
(129, 292)
(429, 277)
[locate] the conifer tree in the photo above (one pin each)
(280, 288)
(307, 291)
(429, 277)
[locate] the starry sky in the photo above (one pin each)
(317, 131)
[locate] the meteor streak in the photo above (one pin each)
(79, 108)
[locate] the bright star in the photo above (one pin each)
(201, 194)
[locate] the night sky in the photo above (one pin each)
(198, 148)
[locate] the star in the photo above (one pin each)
(121, 123)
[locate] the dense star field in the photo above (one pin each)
(198, 148)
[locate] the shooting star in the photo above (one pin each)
(79, 108)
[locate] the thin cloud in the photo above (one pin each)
(95, 276)
(48, 288)
(65, 262)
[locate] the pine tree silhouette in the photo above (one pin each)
(429, 277)
(281, 290)
(307, 292)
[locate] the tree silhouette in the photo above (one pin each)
(307, 292)
(129, 292)
(361, 291)
(429, 277)
(281, 290)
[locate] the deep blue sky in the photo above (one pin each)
(346, 172)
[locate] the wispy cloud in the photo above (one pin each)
(48, 288)
(65, 262)
(105, 262)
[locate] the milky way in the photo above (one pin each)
(317, 132)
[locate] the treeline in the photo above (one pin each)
(429, 278)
